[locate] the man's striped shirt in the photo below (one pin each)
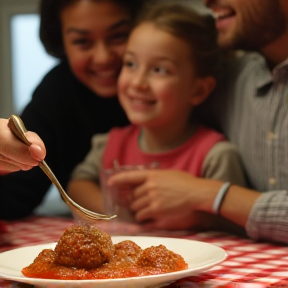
(251, 107)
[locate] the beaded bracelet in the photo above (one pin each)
(220, 196)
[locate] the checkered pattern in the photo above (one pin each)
(34, 231)
(249, 264)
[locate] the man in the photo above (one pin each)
(251, 109)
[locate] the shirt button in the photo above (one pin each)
(272, 181)
(271, 135)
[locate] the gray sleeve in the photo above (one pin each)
(223, 163)
(90, 167)
(268, 218)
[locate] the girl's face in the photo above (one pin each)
(157, 84)
(94, 37)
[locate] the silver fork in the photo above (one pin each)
(18, 128)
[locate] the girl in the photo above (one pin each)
(170, 67)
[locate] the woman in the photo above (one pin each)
(76, 99)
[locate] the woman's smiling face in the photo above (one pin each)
(94, 37)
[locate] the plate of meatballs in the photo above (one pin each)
(86, 256)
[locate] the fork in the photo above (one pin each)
(18, 128)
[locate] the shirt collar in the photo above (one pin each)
(267, 78)
(280, 72)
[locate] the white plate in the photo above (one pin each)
(199, 255)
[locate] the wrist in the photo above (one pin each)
(208, 195)
(220, 197)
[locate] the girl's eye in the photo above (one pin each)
(129, 64)
(160, 70)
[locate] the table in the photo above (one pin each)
(249, 264)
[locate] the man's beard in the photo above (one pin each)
(258, 28)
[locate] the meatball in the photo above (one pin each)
(84, 247)
(126, 251)
(161, 258)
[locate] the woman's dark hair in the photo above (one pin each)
(50, 25)
(180, 19)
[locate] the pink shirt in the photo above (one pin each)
(122, 145)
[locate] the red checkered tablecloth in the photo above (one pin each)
(249, 263)
(34, 231)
